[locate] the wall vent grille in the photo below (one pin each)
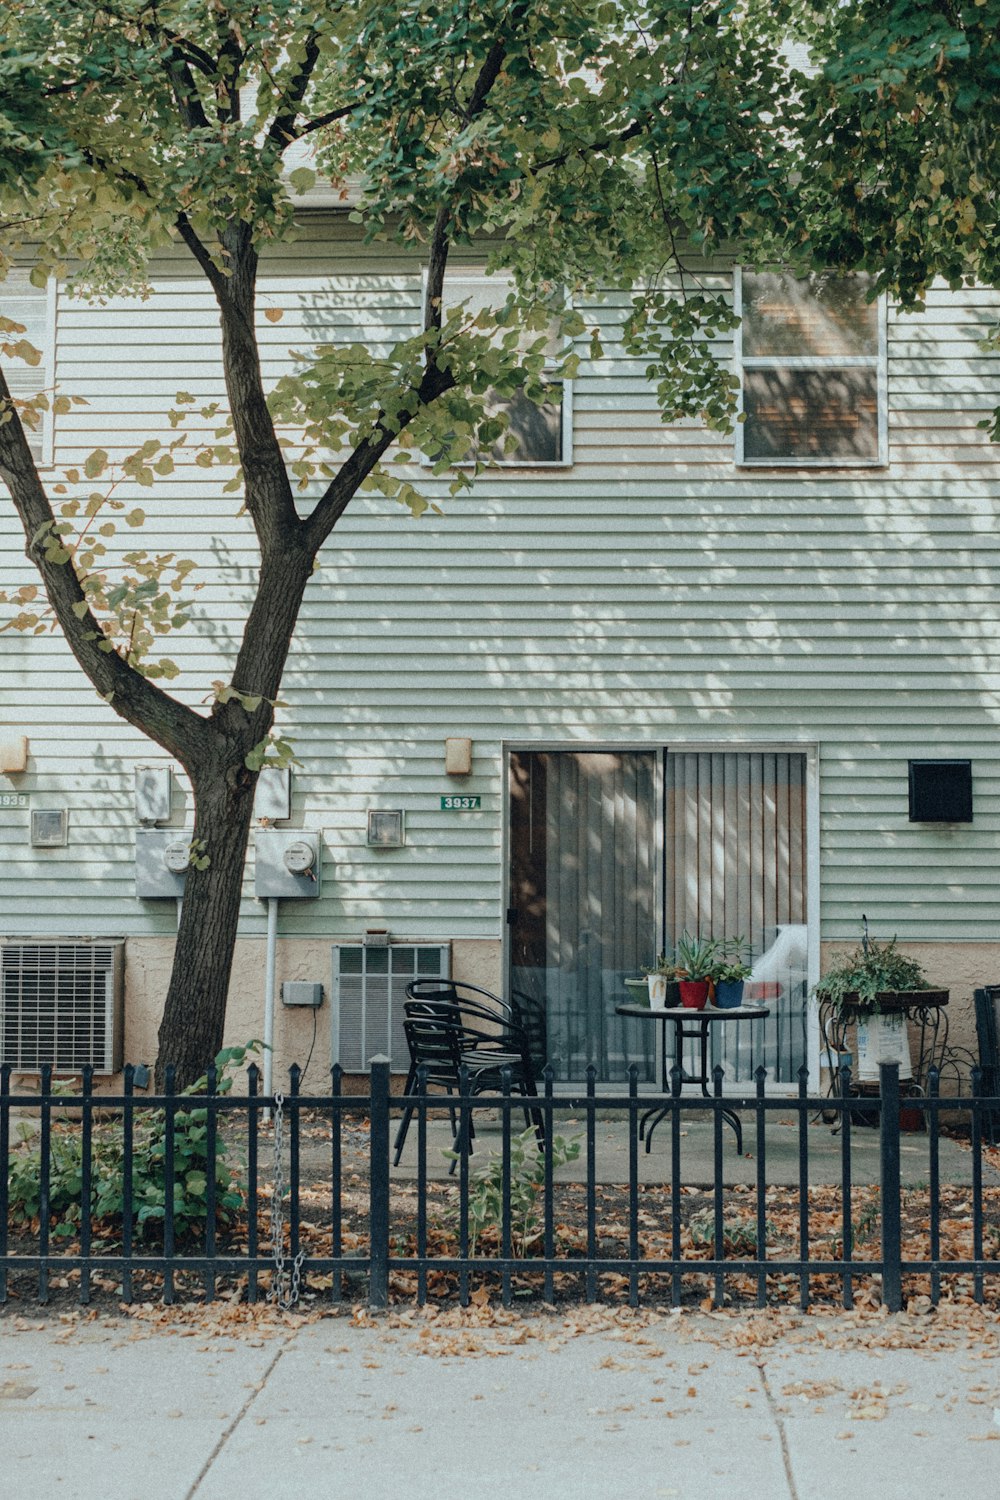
(61, 1003)
(368, 990)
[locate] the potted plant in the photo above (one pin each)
(730, 972)
(729, 979)
(697, 960)
(658, 986)
(874, 976)
(873, 987)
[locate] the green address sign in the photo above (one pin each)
(13, 799)
(461, 804)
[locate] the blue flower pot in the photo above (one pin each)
(728, 994)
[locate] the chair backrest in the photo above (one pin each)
(530, 1012)
(478, 1026)
(435, 1045)
(457, 992)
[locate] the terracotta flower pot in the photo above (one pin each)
(694, 993)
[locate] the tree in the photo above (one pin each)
(901, 125)
(586, 143)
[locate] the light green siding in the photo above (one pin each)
(652, 593)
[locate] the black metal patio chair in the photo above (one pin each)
(522, 1013)
(442, 1043)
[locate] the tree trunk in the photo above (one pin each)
(195, 1009)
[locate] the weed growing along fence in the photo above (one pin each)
(292, 1195)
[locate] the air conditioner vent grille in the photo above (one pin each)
(369, 991)
(61, 1004)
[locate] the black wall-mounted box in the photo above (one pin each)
(940, 791)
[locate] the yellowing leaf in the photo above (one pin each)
(273, 314)
(95, 463)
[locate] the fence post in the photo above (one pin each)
(378, 1202)
(892, 1251)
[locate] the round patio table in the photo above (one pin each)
(690, 1025)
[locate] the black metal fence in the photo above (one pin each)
(293, 1196)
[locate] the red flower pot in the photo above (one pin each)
(694, 993)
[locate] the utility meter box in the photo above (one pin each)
(153, 794)
(273, 798)
(287, 864)
(162, 856)
(301, 992)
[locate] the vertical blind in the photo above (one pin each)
(736, 844)
(736, 868)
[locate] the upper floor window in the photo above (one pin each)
(811, 354)
(34, 307)
(542, 434)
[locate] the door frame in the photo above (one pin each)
(660, 748)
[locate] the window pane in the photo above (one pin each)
(819, 315)
(26, 304)
(376, 960)
(489, 293)
(350, 960)
(537, 429)
(428, 960)
(810, 414)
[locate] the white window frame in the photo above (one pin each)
(478, 276)
(46, 432)
(879, 362)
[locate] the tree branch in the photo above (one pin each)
(434, 382)
(268, 491)
(180, 731)
(356, 468)
(327, 119)
(185, 229)
(185, 93)
(282, 128)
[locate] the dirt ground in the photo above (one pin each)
(321, 1230)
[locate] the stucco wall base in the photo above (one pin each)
(147, 975)
(960, 968)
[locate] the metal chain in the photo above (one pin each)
(285, 1284)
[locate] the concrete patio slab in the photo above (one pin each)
(697, 1152)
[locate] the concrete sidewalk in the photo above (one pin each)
(584, 1404)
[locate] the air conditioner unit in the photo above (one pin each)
(62, 1003)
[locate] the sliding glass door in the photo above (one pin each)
(585, 840)
(613, 855)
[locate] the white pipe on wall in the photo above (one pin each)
(270, 969)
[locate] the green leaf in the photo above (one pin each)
(95, 463)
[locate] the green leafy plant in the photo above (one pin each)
(527, 1177)
(739, 1237)
(731, 973)
(697, 957)
(731, 965)
(191, 1168)
(662, 964)
(871, 970)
